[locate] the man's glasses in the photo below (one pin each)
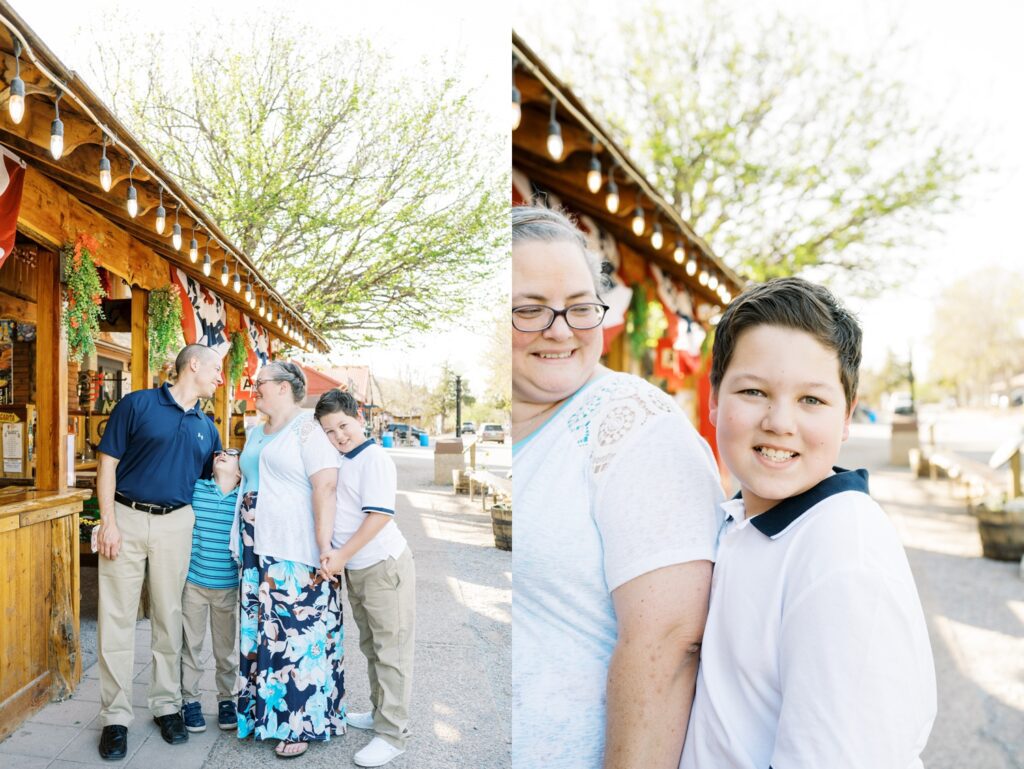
(540, 317)
(229, 452)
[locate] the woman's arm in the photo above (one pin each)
(325, 483)
(653, 671)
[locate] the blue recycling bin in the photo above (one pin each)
(424, 439)
(387, 440)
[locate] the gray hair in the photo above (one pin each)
(286, 371)
(537, 223)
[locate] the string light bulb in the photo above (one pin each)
(657, 237)
(517, 107)
(638, 224)
(263, 308)
(594, 174)
(16, 98)
(133, 196)
(270, 314)
(57, 129)
(176, 232)
(237, 282)
(691, 267)
(713, 282)
(680, 253)
(224, 276)
(248, 291)
(611, 193)
(703, 277)
(207, 264)
(555, 144)
(161, 214)
(105, 179)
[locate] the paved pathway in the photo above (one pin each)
(462, 686)
(974, 608)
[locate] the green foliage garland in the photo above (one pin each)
(164, 324)
(639, 314)
(237, 357)
(82, 312)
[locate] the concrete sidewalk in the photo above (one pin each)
(974, 608)
(462, 682)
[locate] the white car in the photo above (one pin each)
(492, 432)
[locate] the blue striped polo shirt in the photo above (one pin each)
(212, 565)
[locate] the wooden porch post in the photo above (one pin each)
(222, 411)
(51, 378)
(140, 339)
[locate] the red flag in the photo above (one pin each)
(12, 181)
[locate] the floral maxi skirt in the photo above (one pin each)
(291, 654)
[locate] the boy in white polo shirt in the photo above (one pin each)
(815, 652)
(379, 572)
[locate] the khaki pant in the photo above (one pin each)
(221, 606)
(383, 598)
(161, 545)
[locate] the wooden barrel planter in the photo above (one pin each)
(501, 522)
(1001, 528)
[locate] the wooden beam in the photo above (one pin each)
(13, 307)
(65, 661)
(140, 339)
(51, 378)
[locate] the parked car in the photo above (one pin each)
(399, 430)
(469, 427)
(492, 432)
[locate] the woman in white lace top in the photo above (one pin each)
(615, 524)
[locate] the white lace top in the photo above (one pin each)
(616, 484)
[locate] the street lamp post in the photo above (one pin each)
(458, 406)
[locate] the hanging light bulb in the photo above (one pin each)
(161, 214)
(594, 174)
(207, 264)
(280, 322)
(248, 291)
(270, 313)
(133, 196)
(16, 98)
(657, 238)
(176, 232)
(193, 246)
(263, 308)
(703, 277)
(713, 282)
(680, 253)
(57, 130)
(517, 107)
(224, 276)
(105, 180)
(611, 193)
(691, 267)
(638, 224)
(555, 145)
(237, 283)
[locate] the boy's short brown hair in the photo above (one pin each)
(792, 303)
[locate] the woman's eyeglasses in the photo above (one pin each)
(540, 317)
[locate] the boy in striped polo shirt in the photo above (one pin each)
(212, 589)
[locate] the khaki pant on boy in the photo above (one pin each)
(221, 607)
(383, 599)
(165, 543)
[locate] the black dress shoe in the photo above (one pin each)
(172, 728)
(114, 742)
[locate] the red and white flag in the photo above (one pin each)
(204, 316)
(12, 181)
(258, 348)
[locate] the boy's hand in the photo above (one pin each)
(331, 563)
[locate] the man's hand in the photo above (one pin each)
(332, 563)
(108, 540)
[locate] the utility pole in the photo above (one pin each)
(458, 406)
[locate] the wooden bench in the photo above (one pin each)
(970, 478)
(489, 484)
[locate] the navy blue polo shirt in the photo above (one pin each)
(163, 449)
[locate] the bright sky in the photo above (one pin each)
(965, 63)
(416, 35)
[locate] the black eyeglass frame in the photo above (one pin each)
(563, 313)
(229, 452)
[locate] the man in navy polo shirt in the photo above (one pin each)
(157, 443)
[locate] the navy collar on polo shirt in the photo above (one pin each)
(168, 399)
(357, 449)
(775, 522)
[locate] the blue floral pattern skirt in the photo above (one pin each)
(291, 658)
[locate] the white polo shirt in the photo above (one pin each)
(816, 652)
(366, 484)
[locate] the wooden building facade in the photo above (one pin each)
(52, 409)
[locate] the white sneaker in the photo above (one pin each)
(360, 720)
(377, 753)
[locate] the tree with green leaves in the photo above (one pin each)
(783, 153)
(371, 200)
(499, 360)
(442, 397)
